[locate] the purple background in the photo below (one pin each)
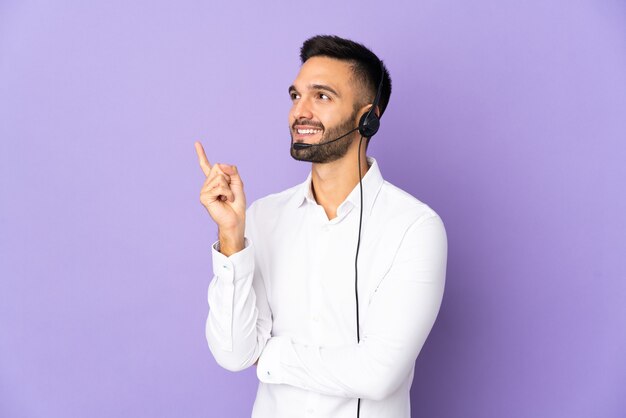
(507, 117)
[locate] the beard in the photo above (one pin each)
(330, 152)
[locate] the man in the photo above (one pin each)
(329, 340)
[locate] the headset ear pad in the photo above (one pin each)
(369, 124)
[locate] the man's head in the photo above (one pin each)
(336, 85)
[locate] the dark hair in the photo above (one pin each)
(365, 64)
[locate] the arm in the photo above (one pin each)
(400, 317)
(239, 321)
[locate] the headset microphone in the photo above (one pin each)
(302, 145)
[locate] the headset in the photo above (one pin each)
(370, 122)
(368, 127)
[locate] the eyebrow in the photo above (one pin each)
(317, 87)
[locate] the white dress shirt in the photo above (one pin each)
(288, 300)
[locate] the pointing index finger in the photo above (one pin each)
(204, 162)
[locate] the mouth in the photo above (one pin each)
(303, 132)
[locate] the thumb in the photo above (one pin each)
(236, 184)
(232, 171)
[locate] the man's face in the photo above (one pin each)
(323, 96)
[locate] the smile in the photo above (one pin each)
(308, 131)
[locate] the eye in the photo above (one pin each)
(293, 95)
(323, 96)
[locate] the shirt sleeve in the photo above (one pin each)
(239, 320)
(400, 316)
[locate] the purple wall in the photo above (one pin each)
(507, 117)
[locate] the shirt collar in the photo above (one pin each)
(372, 182)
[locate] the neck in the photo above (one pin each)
(332, 182)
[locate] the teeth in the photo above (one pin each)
(309, 131)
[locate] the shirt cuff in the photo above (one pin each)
(269, 368)
(235, 267)
(280, 363)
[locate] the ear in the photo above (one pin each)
(363, 111)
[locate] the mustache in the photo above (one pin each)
(307, 122)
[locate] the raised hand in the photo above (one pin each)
(223, 197)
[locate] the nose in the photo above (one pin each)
(301, 109)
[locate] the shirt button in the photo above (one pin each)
(310, 411)
(316, 318)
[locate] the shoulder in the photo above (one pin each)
(394, 203)
(400, 221)
(274, 201)
(268, 210)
